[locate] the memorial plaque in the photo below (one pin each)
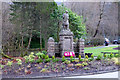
(67, 45)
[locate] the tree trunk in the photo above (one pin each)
(22, 41)
(29, 41)
(100, 17)
(40, 35)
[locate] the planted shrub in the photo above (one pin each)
(39, 55)
(44, 52)
(43, 56)
(108, 56)
(31, 60)
(86, 68)
(39, 60)
(116, 55)
(76, 60)
(86, 56)
(92, 57)
(10, 63)
(55, 60)
(53, 57)
(1, 66)
(46, 57)
(79, 57)
(111, 55)
(47, 60)
(72, 59)
(84, 63)
(44, 70)
(105, 56)
(19, 61)
(79, 65)
(99, 57)
(32, 55)
(26, 59)
(63, 59)
(67, 62)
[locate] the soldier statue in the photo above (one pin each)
(65, 21)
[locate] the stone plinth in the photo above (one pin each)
(51, 47)
(66, 41)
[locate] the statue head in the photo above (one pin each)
(66, 11)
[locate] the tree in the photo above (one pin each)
(34, 19)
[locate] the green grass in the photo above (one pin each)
(98, 51)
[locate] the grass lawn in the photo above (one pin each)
(98, 51)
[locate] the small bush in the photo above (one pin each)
(72, 59)
(99, 57)
(116, 55)
(84, 63)
(79, 65)
(39, 60)
(63, 59)
(32, 55)
(1, 66)
(47, 60)
(92, 57)
(76, 60)
(43, 56)
(111, 55)
(53, 57)
(86, 56)
(44, 52)
(108, 56)
(97, 41)
(39, 55)
(31, 60)
(105, 55)
(55, 60)
(10, 63)
(44, 70)
(86, 68)
(26, 59)
(67, 62)
(46, 57)
(19, 61)
(79, 57)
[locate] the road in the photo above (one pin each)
(101, 47)
(105, 75)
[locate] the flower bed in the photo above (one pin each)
(40, 65)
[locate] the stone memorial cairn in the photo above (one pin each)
(65, 43)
